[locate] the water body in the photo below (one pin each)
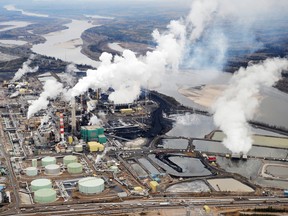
(255, 151)
(191, 167)
(191, 125)
(99, 17)
(149, 166)
(175, 143)
(66, 44)
(13, 25)
(272, 110)
(26, 13)
(13, 42)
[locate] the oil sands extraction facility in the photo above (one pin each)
(94, 151)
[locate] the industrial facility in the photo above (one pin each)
(92, 150)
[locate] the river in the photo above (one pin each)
(13, 25)
(66, 44)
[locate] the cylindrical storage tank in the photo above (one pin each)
(34, 163)
(70, 159)
(45, 196)
(114, 169)
(38, 184)
(48, 160)
(91, 185)
(74, 168)
(52, 169)
(78, 148)
(69, 150)
(62, 150)
(31, 171)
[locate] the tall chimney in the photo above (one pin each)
(62, 127)
(73, 115)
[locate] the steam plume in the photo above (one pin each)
(52, 89)
(70, 71)
(240, 100)
(94, 120)
(71, 68)
(126, 74)
(25, 68)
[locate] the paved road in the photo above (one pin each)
(146, 205)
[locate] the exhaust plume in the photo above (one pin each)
(240, 101)
(94, 120)
(126, 74)
(52, 89)
(70, 71)
(71, 68)
(25, 68)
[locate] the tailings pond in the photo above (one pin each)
(191, 125)
(256, 151)
(181, 166)
(173, 144)
(197, 186)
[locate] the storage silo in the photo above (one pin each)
(78, 148)
(70, 159)
(91, 185)
(74, 168)
(48, 160)
(31, 171)
(38, 184)
(45, 195)
(52, 169)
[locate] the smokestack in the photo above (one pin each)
(73, 116)
(62, 127)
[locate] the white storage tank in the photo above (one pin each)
(38, 184)
(74, 168)
(48, 160)
(91, 185)
(78, 148)
(70, 159)
(31, 171)
(45, 195)
(52, 169)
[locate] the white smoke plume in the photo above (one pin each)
(102, 115)
(100, 156)
(240, 100)
(126, 74)
(52, 89)
(94, 120)
(45, 119)
(71, 68)
(25, 68)
(70, 71)
(188, 119)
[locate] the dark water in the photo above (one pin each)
(190, 166)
